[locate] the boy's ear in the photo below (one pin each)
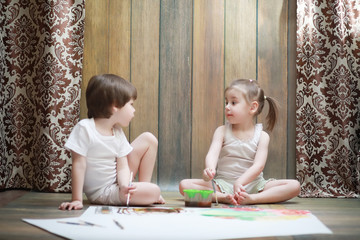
(254, 106)
(113, 109)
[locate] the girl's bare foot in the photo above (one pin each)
(243, 198)
(228, 199)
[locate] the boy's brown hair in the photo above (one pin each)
(105, 91)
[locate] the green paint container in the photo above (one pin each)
(197, 198)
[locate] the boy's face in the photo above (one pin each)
(125, 114)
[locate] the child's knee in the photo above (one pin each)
(156, 192)
(295, 187)
(150, 139)
(184, 184)
(156, 189)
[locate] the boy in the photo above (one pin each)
(102, 158)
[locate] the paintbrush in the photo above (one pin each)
(81, 223)
(213, 185)
(118, 224)
(130, 182)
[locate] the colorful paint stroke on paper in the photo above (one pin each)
(146, 210)
(255, 214)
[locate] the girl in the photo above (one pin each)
(238, 152)
(102, 158)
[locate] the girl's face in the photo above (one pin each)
(237, 109)
(125, 114)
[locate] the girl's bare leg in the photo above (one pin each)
(274, 192)
(203, 185)
(143, 157)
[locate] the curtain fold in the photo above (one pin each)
(41, 53)
(327, 99)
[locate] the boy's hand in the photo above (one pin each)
(208, 174)
(125, 190)
(74, 205)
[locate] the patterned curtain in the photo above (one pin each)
(41, 51)
(327, 99)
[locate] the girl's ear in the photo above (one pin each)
(254, 107)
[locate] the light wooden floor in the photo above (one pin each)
(342, 216)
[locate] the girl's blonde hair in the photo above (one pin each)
(252, 92)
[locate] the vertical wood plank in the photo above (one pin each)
(240, 40)
(208, 78)
(119, 39)
(145, 24)
(96, 50)
(272, 74)
(175, 93)
(145, 65)
(291, 123)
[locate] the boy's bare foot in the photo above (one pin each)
(161, 200)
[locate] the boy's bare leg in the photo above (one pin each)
(143, 157)
(146, 194)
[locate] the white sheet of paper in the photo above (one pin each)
(189, 224)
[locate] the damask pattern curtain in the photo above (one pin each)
(328, 93)
(41, 51)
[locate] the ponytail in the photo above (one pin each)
(272, 114)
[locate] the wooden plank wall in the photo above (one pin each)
(181, 55)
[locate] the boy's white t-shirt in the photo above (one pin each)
(100, 152)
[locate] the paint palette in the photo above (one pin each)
(197, 198)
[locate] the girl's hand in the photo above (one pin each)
(238, 188)
(208, 174)
(74, 205)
